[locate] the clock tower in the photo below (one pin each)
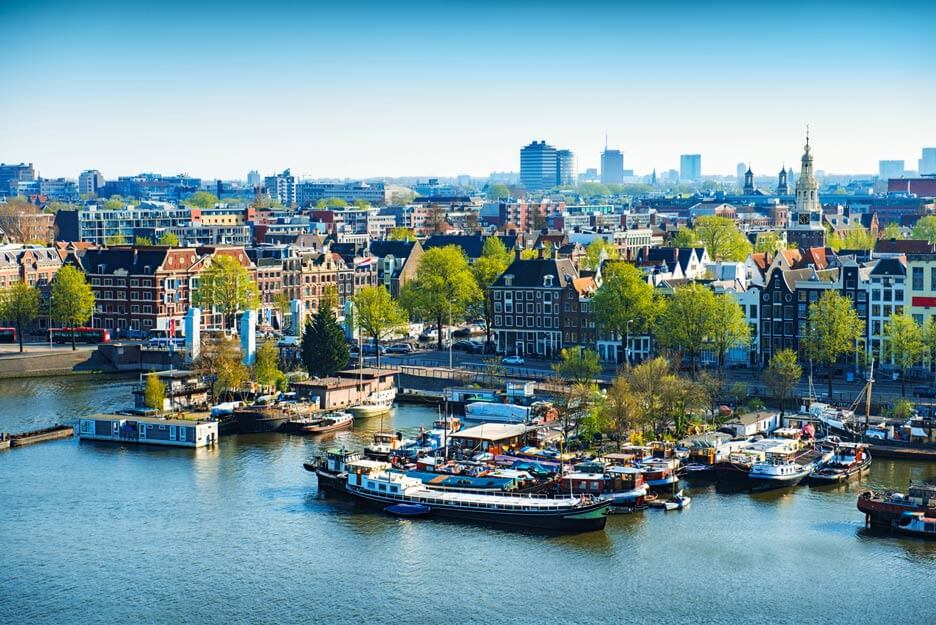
(805, 227)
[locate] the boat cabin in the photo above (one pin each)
(337, 459)
(185, 390)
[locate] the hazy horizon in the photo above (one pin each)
(371, 90)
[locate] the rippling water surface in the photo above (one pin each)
(100, 533)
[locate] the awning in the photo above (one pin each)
(918, 432)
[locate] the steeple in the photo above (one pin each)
(749, 181)
(783, 183)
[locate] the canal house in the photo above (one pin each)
(148, 430)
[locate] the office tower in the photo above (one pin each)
(927, 164)
(890, 169)
(565, 167)
(739, 173)
(538, 166)
(89, 181)
(253, 178)
(11, 175)
(690, 167)
(612, 167)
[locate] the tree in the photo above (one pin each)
(435, 219)
(494, 260)
(833, 330)
(729, 327)
(114, 202)
(266, 371)
(892, 231)
(442, 288)
(769, 241)
(19, 221)
(537, 217)
(619, 408)
(226, 287)
(576, 406)
(857, 238)
(646, 380)
(324, 349)
(904, 344)
(498, 191)
(19, 304)
(361, 204)
(331, 202)
(782, 375)
(929, 339)
(688, 319)
(230, 372)
(401, 234)
(169, 239)
(283, 305)
(377, 315)
(202, 199)
(599, 251)
(72, 298)
(624, 303)
(115, 239)
(142, 241)
(925, 229)
(721, 237)
(901, 410)
(578, 366)
(154, 392)
(685, 237)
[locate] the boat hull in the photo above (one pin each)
(822, 477)
(883, 514)
(363, 412)
(762, 483)
(585, 519)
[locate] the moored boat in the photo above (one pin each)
(916, 524)
(881, 509)
(376, 404)
(848, 460)
(320, 424)
(571, 514)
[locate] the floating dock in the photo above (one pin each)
(36, 436)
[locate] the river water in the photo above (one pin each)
(100, 533)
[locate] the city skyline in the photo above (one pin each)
(223, 89)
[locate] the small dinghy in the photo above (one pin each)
(408, 509)
(678, 502)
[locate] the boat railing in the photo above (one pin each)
(581, 501)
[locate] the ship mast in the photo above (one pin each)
(868, 398)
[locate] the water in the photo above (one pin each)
(99, 533)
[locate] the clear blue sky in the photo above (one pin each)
(355, 89)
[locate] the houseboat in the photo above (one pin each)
(623, 486)
(848, 460)
(572, 514)
(785, 465)
(881, 509)
(148, 430)
(916, 524)
(660, 473)
(332, 469)
(320, 424)
(497, 413)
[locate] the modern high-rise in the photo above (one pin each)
(11, 175)
(740, 170)
(927, 164)
(612, 167)
(690, 167)
(565, 167)
(253, 178)
(281, 187)
(539, 168)
(89, 181)
(890, 169)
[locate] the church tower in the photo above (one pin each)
(783, 183)
(805, 225)
(749, 182)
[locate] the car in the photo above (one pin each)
(463, 346)
(462, 333)
(400, 348)
(924, 391)
(512, 360)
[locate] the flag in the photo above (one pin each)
(363, 262)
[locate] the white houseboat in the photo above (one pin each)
(148, 430)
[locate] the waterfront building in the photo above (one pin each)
(148, 430)
(184, 390)
(281, 187)
(89, 181)
(888, 290)
(346, 388)
(538, 166)
(690, 167)
(920, 294)
(805, 228)
(612, 166)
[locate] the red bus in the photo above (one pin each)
(82, 335)
(7, 335)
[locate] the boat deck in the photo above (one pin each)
(428, 495)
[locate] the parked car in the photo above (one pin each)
(400, 348)
(924, 391)
(513, 360)
(462, 333)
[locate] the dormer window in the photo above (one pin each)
(508, 280)
(547, 281)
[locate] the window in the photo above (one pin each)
(917, 278)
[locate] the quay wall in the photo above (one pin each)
(58, 362)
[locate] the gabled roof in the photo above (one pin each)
(530, 273)
(908, 246)
(890, 266)
(129, 259)
(397, 249)
(471, 244)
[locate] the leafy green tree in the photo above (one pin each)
(925, 229)
(169, 239)
(498, 191)
(202, 199)
(230, 372)
(904, 344)
(324, 348)
(331, 202)
(624, 303)
(142, 241)
(688, 320)
(154, 392)
(901, 410)
(685, 237)
(115, 239)
(857, 238)
(266, 371)
(721, 237)
(401, 234)
(19, 304)
(929, 339)
(378, 316)
(892, 231)
(833, 330)
(494, 260)
(597, 251)
(619, 409)
(578, 366)
(18, 220)
(770, 241)
(226, 287)
(72, 298)
(646, 382)
(729, 327)
(782, 375)
(361, 204)
(115, 202)
(443, 287)
(592, 189)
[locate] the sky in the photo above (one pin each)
(358, 89)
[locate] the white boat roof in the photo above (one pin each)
(491, 431)
(484, 499)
